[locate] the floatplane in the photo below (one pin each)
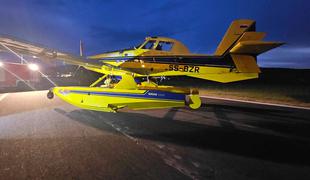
(235, 59)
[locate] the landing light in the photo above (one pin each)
(33, 67)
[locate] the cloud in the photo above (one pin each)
(300, 50)
(290, 56)
(288, 52)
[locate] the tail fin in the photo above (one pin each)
(233, 33)
(243, 44)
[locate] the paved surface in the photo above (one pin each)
(49, 139)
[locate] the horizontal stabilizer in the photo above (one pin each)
(253, 47)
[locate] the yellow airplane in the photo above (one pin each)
(233, 60)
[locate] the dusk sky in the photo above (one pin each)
(106, 25)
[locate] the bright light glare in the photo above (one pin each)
(33, 67)
(1, 64)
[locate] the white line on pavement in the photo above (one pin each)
(254, 102)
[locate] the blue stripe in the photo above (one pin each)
(150, 94)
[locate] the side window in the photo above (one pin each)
(164, 46)
(149, 45)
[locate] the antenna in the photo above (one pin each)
(81, 48)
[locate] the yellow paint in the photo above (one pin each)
(127, 82)
(227, 77)
(245, 63)
(126, 93)
(111, 103)
(235, 30)
(194, 101)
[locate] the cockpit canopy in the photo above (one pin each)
(160, 45)
(164, 44)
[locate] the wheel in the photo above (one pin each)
(50, 95)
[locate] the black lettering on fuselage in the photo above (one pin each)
(196, 69)
(184, 68)
(191, 69)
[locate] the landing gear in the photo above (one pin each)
(193, 100)
(50, 94)
(148, 79)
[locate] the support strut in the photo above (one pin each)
(98, 80)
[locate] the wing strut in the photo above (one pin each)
(98, 80)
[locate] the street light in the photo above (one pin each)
(33, 67)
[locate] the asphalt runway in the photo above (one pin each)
(49, 139)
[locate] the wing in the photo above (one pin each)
(26, 48)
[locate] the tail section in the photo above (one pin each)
(243, 44)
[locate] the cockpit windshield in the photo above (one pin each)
(164, 46)
(149, 45)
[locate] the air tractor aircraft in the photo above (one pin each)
(235, 59)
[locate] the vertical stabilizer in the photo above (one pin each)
(234, 32)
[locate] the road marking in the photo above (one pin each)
(255, 102)
(3, 96)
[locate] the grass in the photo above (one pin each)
(297, 94)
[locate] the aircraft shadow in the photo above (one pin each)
(183, 133)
